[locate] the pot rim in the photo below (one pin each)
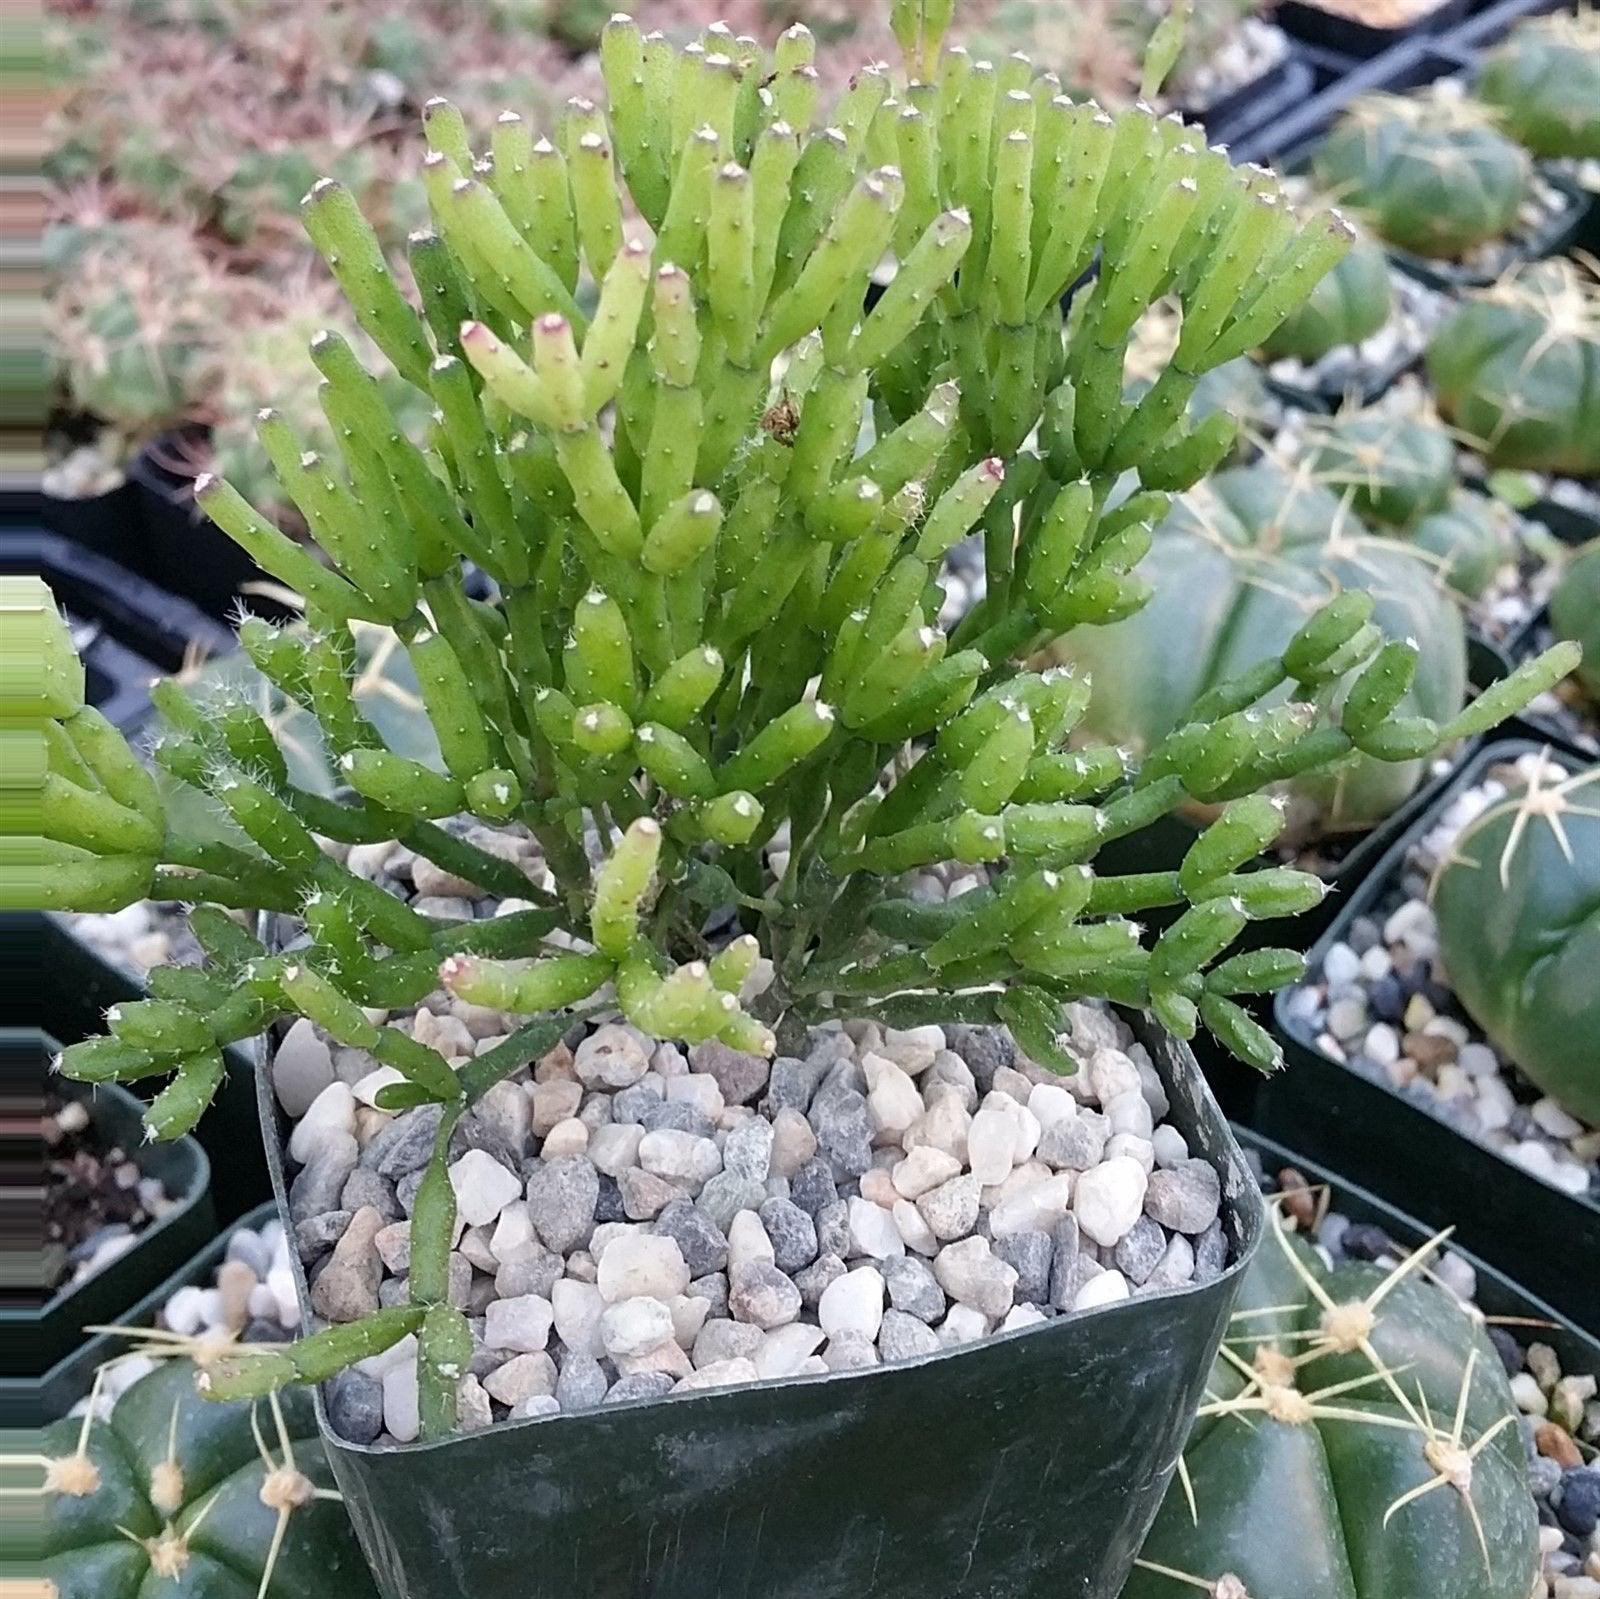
(1243, 1212)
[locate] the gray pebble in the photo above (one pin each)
(985, 1049)
(1210, 1254)
(1030, 1253)
(534, 1270)
(741, 1077)
(1075, 1143)
(355, 1406)
(901, 1337)
(609, 1205)
(347, 1287)
(814, 1279)
(913, 1289)
(582, 1382)
(833, 1229)
(726, 1194)
(702, 1243)
(644, 1195)
(366, 1187)
(727, 1340)
(631, 1104)
(318, 1187)
(843, 1125)
(849, 1351)
(791, 1085)
(406, 1144)
(813, 1186)
(316, 1235)
(562, 1196)
(1064, 1263)
(676, 1115)
(1185, 1198)
(747, 1150)
(713, 1288)
(640, 1385)
(793, 1234)
(1140, 1250)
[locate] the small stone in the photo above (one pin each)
(562, 1196)
(535, 1407)
(483, 1187)
(747, 1150)
(992, 1143)
(760, 1294)
(317, 1188)
(680, 1157)
(576, 1309)
(1029, 1254)
(302, 1067)
(904, 1337)
(473, 1409)
(405, 1145)
(521, 1324)
(1169, 1146)
(1128, 1115)
(635, 1327)
(612, 1056)
(922, 1170)
(793, 1142)
(843, 1126)
(644, 1195)
(913, 1049)
(642, 1264)
(347, 1287)
(313, 1238)
(1176, 1266)
(985, 1049)
(850, 1351)
(447, 1034)
(914, 1289)
(525, 1377)
(972, 1275)
(792, 1233)
(726, 1195)
(892, 1098)
(355, 1406)
(853, 1304)
(873, 1232)
(1210, 1253)
(914, 1232)
(813, 1186)
(740, 1076)
(945, 1126)
(698, 1090)
(1022, 1316)
(401, 1412)
(951, 1209)
(1064, 1264)
(1035, 1208)
(1139, 1253)
(1186, 1198)
(332, 1112)
(1105, 1289)
(748, 1242)
(963, 1325)
(784, 1350)
(1075, 1144)
(1109, 1199)
(719, 1374)
(639, 1385)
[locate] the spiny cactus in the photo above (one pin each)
(1472, 537)
(172, 1495)
(1544, 84)
(1396, 465)
(1350, 304)
(1358, 1440)
(714, 496)
(1518, 903)
(1427, 172)
(1575, 612)
(1516, 368)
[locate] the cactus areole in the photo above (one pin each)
(1518, 902)
(714, 493)
(1359, 1441)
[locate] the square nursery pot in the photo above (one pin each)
(1025, 1467)
(1548, 1239)
(36, 1334)
(1249, 107)
(54, 979)
(38, 1401)
(1499, 1296)
(1331, 30)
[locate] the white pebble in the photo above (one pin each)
(1110, 1199)
(1106, 1289)
(853, 1304)
(642, 1264)
(483, 1187)
(873, 1232)
(332, 1112)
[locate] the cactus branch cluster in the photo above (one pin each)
(713, 474)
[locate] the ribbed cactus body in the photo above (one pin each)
(1518, 903)
(1349, 305)
(1358, 1441)
(1516, 368)
(173, 1495)
(1544, 84)
(1238, 566)
(1575, 611)
(1394, 468)
(1472, 537)
(1424, 174)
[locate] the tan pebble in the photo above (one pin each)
(1555, 1443)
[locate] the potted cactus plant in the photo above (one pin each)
(710, 760)
(1544, 84)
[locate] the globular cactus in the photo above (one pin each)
(190, 1500)
(1427, 173)
(1240, 563)
(711, 675)
(1358, 1440)
(1575, 612)
(1350, 304)
(1518, 903)
(1395, 465)
(1472, 537)
(1516, 368)
(1544, 84)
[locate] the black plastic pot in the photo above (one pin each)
(1242, 110)
(1498, 1295)
(54, 980)
(108, 524)
(1361, 40)
(1546, 1238)
(128, 630)
(1027, 1466)
(35, 1332)
(38, 1401)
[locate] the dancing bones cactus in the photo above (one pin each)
(1518, 903)
(1359, 1441)
(1516, 368)
(1427, 173)
(1350, 304)
(1575, 612)
(1544, 84)
(1241, 562)
(714, 506)
(190, 1500)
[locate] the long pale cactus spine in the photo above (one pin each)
(713, 491)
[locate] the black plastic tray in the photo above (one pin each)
(1361, 40)
(35, 1335)
(1406, 1155)
(38, 1401)
(1239, 113)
